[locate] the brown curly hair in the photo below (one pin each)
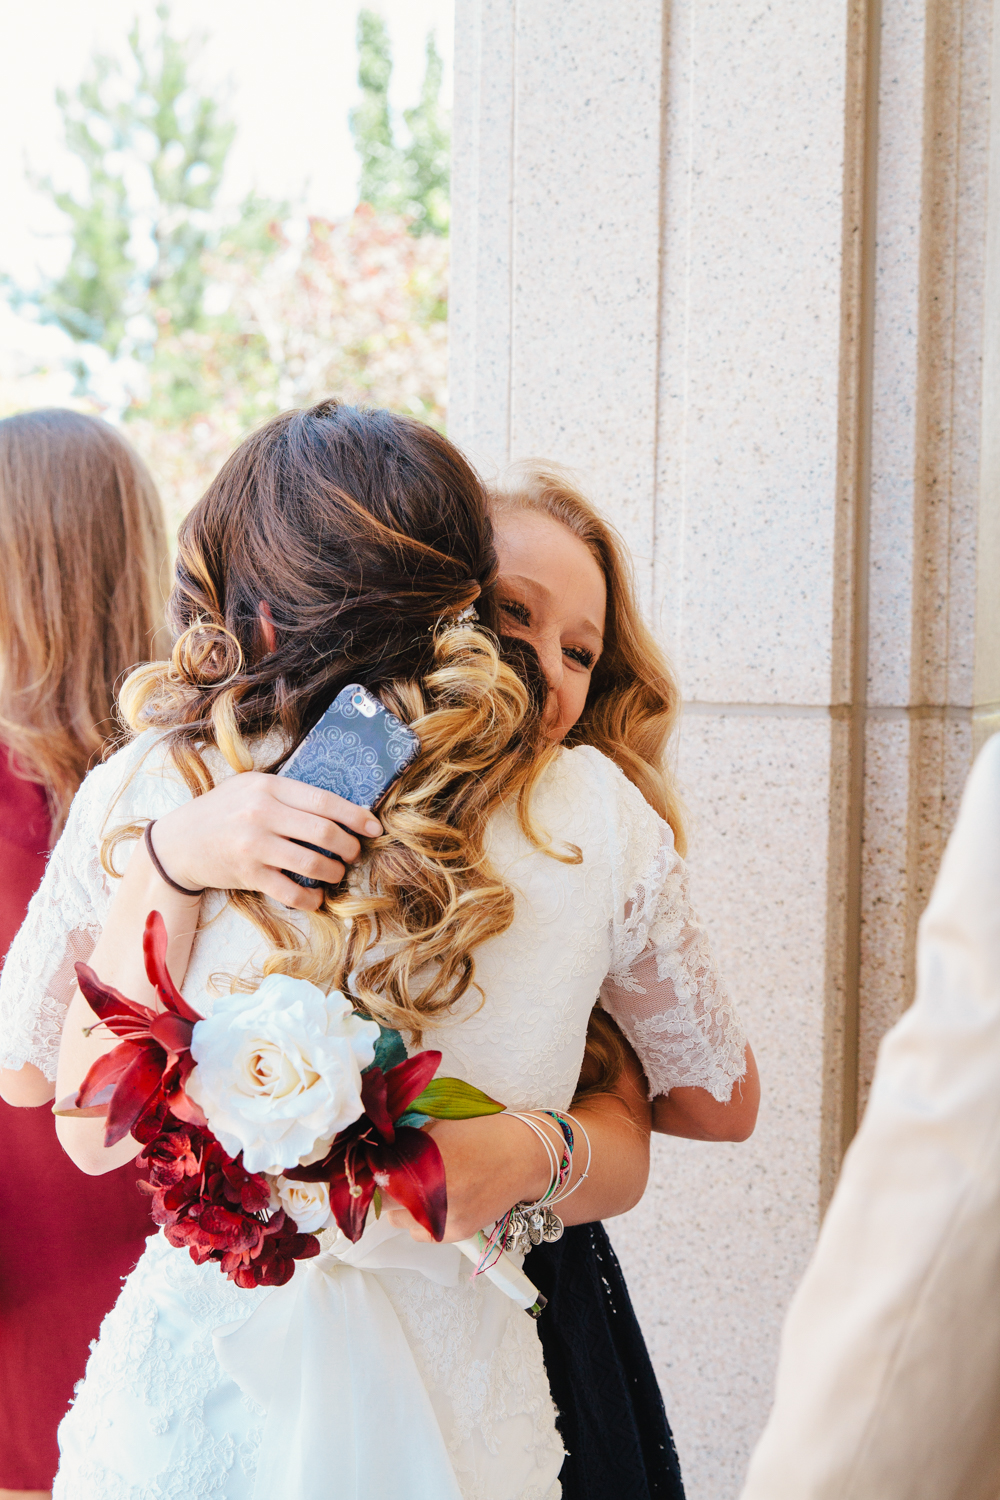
(365, 534)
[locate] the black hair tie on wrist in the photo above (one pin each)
(148, 840)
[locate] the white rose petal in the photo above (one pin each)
(308, 1203)
(279, 1072)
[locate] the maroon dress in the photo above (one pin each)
(66, 1240)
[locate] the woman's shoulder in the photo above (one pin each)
(137, 780)
(585, 770)
(584, 767)
(586, 798)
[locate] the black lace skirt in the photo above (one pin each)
(611, 1416)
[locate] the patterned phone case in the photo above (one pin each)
(357, 750)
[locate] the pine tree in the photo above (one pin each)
(427, 159)
(90, 300)
(412, 180)
(191, 140)
(371, 125)
(153, 152)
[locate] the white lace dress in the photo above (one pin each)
(461, 1408)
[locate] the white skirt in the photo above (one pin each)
(158, 1417)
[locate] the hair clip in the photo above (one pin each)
(467, 616)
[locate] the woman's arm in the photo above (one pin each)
(239, 836)
(696, 1115)
(671, 1002)
(497, 1161)
(690, 1110)
(118, 960)
(25, 1087)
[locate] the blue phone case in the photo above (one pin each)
(357, 750)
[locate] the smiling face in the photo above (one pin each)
(552, 593)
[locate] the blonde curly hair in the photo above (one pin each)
(634, 702)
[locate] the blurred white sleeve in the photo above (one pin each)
(888, 1381)
(62, 925)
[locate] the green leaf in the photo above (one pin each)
(452, 1099)
(377, 1203)
(389, 1049)
(66, 1109)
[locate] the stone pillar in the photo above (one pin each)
(739, 267)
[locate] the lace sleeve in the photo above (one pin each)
(665, 991)
(62, 925)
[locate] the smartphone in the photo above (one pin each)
(357, 749)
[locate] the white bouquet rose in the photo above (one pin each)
(308, 1203)
(279, 1072)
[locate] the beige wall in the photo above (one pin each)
(736, 265)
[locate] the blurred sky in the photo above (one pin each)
(289, 68)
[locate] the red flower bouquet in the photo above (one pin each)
(205, 1197)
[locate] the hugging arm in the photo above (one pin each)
(118, 960)
(496, 1161)
(697, 1115)
(238, 836)
(670, 1001)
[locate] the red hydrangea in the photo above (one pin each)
(208, 1203)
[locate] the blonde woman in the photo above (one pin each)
(339, 545)
(81, 537)
(563, 567)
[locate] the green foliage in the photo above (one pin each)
(371, 126)
(90, 299)
(427, 159)
(190, 142)
(412, 180)
(236, 318)
(153, 152)
(454, 1099)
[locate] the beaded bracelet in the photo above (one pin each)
(562, 1120)
(528, 1224)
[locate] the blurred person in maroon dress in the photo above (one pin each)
(82, 558)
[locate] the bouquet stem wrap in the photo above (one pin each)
(504, 1273)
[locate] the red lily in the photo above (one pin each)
(375, 1152)
(153, 1059)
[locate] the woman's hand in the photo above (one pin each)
(496, 1161)
(490, 1163)
(251, 827)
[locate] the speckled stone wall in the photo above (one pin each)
(736, 265)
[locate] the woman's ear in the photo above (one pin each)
(266, 626)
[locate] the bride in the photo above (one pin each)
(507, 879)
